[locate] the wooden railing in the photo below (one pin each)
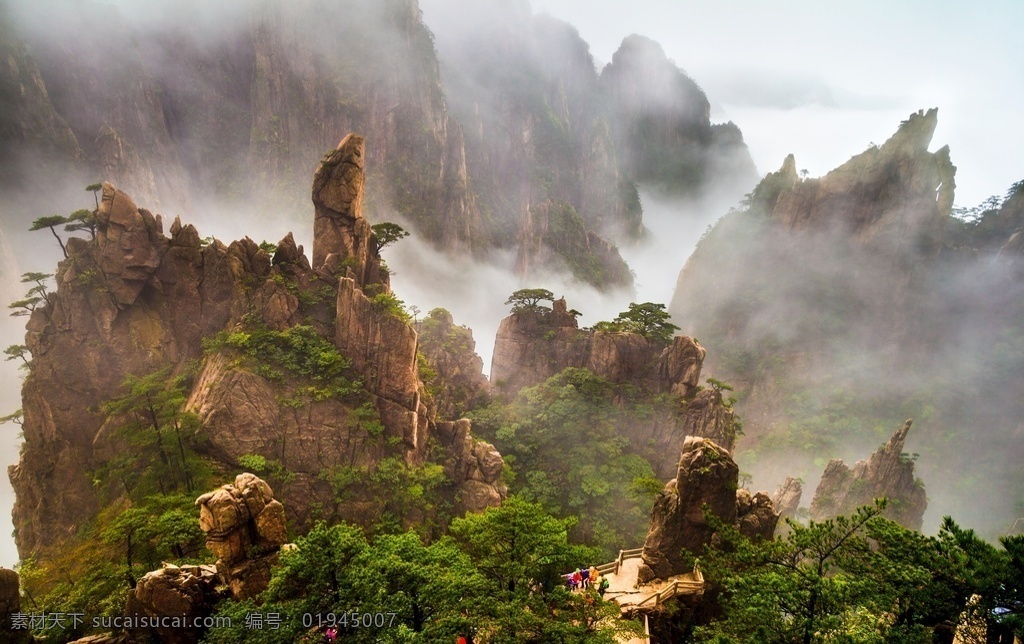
(613, 566)
(677, 587)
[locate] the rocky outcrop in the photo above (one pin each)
(10, 604)
(706, 479)
(245, 528)
(706, 482)
(888, 473)
(787, 497)
(457, 383)
(834, 300)
(554, 236)
(533, 345)
(707, 415)
(188, 592)
(133, 301)
(662, 123)
(756, 515)
(477, 463)
(910, 189)
(382, 348)
(343, 242)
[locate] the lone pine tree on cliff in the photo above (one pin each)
(648, 319)
(529, 299)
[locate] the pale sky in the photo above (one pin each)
(824, 79)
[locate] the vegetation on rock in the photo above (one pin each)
(565, 449)
(648, 319)
(863, 578)
(495, 579)
(529, 299)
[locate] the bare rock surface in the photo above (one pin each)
(888, 473)
(187, 592)
(756, 515)
(706, 476)
(10, 604)
(787, 497)
(339, 226)
(135, 301)
(706, 481)
(245, 528)
(476, 463)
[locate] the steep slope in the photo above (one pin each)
(527, 93)
(234, 104)
(661, 123)
(31, 130)
(311, 373)
(888, 473)
(843, 302)
(537, 344)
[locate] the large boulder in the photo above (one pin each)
(187, 592)
(888, 473)
(756, 516)
(245, 528)
(706, 483)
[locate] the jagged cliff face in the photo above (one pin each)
(525, 89)
(888, 474)
(706, 481)
(31, 130)
(661, 121)
(235, 103)
(134, 301)
(545, 132)
(534, 345)
(457, 383)
(237, 107)
(839, 303)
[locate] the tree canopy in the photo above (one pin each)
(529, 299)
(563, 448)
(387, 233)
(51, 222)
(648, 319)
(495, 580)
(863, 578)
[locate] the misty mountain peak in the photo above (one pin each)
(915, 133)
